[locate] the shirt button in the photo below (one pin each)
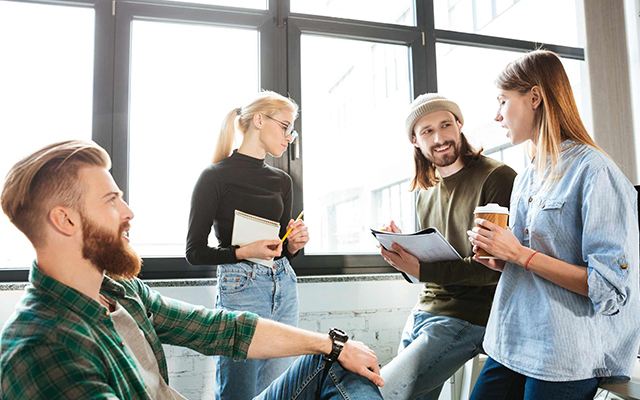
(530, 199)
(623, 266)
(122, 343)
(106, 313)
(526, 231)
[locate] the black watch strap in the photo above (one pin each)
(339, 338)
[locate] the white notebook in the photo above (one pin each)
(426, 245)
(249, 228)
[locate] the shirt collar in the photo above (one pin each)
(564, 145)
(72, 298)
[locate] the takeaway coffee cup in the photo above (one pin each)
(494, 213)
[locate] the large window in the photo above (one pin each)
(353, 112)
(46, 89)
(183, 83)
(150, 81)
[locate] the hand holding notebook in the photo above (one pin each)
(427, 245)
(249, 228)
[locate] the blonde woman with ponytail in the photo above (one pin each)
(566, 313)
(241, 180)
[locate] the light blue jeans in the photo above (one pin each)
(269, 292)
(433, 347)
(306, 380)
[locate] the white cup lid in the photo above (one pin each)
(492, 208)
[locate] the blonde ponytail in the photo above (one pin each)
(266, 103)
(227, 136)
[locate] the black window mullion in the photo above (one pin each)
(103, 75)
(273, 61)
(355, 30)
(499, 43)
(427, 12)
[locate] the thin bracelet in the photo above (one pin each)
(526, 265)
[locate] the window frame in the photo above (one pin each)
(280, 70)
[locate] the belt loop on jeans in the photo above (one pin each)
(253, 273)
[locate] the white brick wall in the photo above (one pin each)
(192, 374)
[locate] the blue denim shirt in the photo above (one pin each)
(588, 218)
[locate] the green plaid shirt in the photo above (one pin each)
(61, 344)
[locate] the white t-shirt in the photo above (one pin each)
(142, 354)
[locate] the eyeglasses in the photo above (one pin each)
(287, 129)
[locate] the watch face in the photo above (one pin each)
(338, 334)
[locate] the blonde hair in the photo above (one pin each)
(266, 102)
(557, 118)
(45, 179)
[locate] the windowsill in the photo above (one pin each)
(15, 286)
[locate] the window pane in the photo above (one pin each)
(356, 157)
(476, 94)
(184, 80)
(257, 4)
(515, 19)
(392, 12)
(46, 92)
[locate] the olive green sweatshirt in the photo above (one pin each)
(463, 288)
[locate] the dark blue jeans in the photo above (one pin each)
(497, 382)
(306, 380)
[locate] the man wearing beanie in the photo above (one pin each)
(447, 325)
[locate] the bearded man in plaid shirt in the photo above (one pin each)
(87, 328)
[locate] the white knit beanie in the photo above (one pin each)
(426, 104)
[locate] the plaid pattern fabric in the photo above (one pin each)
(61, 344)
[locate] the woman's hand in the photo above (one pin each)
(298, 237)
(499, 242)
(262, 249)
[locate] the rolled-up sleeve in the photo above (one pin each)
(207, 331)
(610, 244)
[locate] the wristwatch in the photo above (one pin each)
(339, 338)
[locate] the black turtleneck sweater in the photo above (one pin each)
(241, 183)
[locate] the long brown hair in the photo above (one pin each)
(557, 118)
(266, 102)
(426, 176)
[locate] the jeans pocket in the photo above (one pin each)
(233, 280)
(292, 274)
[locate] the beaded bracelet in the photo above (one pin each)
(526, 265)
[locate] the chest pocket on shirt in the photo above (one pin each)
(547, 219)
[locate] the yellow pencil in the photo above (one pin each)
(290, 229)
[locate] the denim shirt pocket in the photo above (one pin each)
(547, 219)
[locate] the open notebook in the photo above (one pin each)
(427, 245)
(249, 228)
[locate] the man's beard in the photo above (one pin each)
(109, 252)
(445, 160)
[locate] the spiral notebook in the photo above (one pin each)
(249, 228)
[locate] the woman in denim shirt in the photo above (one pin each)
(566, 313)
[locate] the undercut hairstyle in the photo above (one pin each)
(46, 179)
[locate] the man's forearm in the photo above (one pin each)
(273, 339)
